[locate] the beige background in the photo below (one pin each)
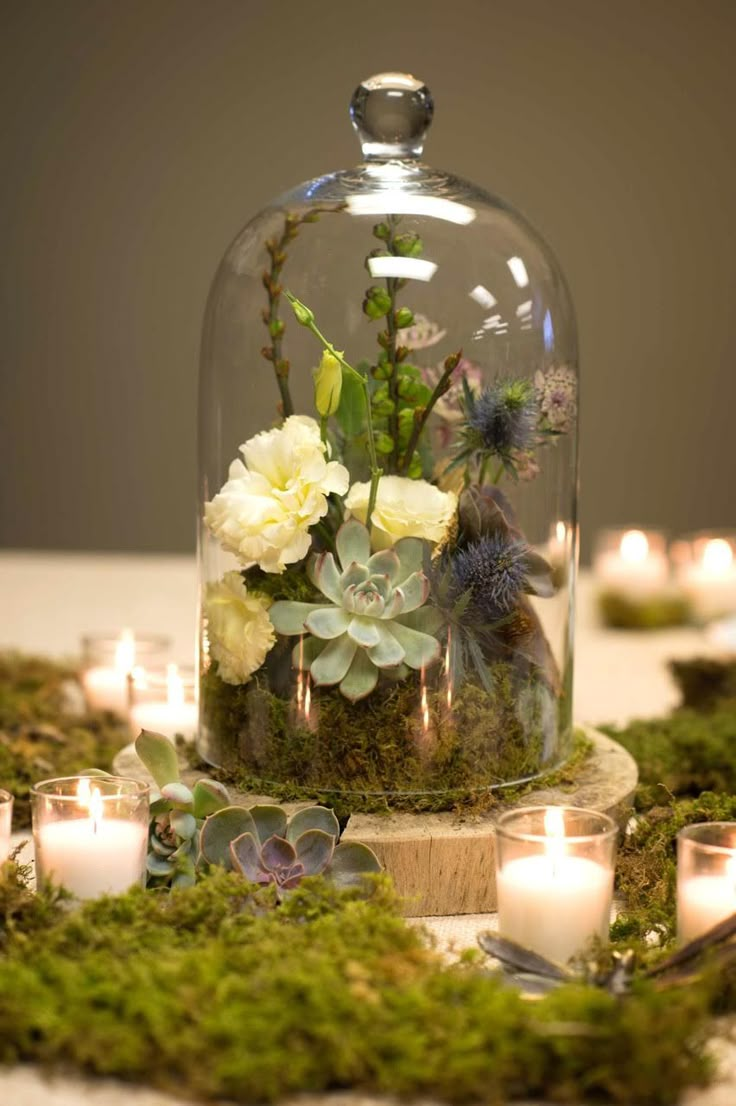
(137, 137)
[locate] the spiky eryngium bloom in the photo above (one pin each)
(504, 416)
(496, 570)
(371, 619)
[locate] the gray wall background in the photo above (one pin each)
(137, 137)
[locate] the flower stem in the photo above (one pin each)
(422, 413)
(498, 473)
(304, 314)
(391, 330)
(276, 248)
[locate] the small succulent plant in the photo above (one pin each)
(177, 813)
(374, 618)
(267, 847)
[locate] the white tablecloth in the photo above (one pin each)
(47, 601)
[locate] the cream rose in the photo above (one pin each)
(264, 511)
(404, 509)
(239, 630)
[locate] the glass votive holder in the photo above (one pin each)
(108, 660)
(6, 823)
(706, 877)
(705, 569)
(91, 833)
(164, 700)
(554, 878)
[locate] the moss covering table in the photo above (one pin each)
(49, 600)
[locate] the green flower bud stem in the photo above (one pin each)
(277, 252)
(376, 471)
(421, 414)
(391, 331)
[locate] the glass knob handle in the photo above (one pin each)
(391, 113)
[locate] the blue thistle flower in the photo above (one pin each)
(494, 570)
(503, 418)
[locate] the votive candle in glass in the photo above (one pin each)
(705, 567)
(631, 563)
(554, 878)
(706, 877)
(6, 823)
(107, 662)
(165, 701)
(91, 833)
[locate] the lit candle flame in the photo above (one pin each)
(554, 828)
(634, 546)
(125, 652)
(717, 556)
(424, 703)
(307, 698)
(560, 532)
(90, 798)
(95, 808)
(174, 686)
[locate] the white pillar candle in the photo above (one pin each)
(706, 877)
(704, 901)
(171, 713)
(106, 686)
(635, 568)
(91, 853)
(554, 908)
(554, 902)
(709, 579)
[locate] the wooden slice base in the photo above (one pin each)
(445, 863)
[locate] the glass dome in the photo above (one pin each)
(388, 430)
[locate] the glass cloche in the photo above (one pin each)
(388, 478)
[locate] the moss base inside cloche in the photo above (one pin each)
(401, 748)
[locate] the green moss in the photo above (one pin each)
(621, 613)
(401, 748)
(208, 993)
(646, 871)
(41, 736)
(682, 754)
(705, 682)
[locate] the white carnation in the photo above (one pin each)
(239, 630)
(264, 511)
(404, 509)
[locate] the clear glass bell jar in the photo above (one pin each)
(388, 430)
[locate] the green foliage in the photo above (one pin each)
(622, 613)
(706, 682)
(209, 990)
(682, 754)
(293, 584)
(42, 735)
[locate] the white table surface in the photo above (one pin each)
(48, 600)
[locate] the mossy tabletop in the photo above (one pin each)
(219, 991)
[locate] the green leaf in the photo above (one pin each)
(314, 849)
(208, 797)
(159, 756)
(351, 861)
(384, 443)
(350, 413)
(177, 793)
(220, 829)
(184, 825)
(313, 817)
(269, 820)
